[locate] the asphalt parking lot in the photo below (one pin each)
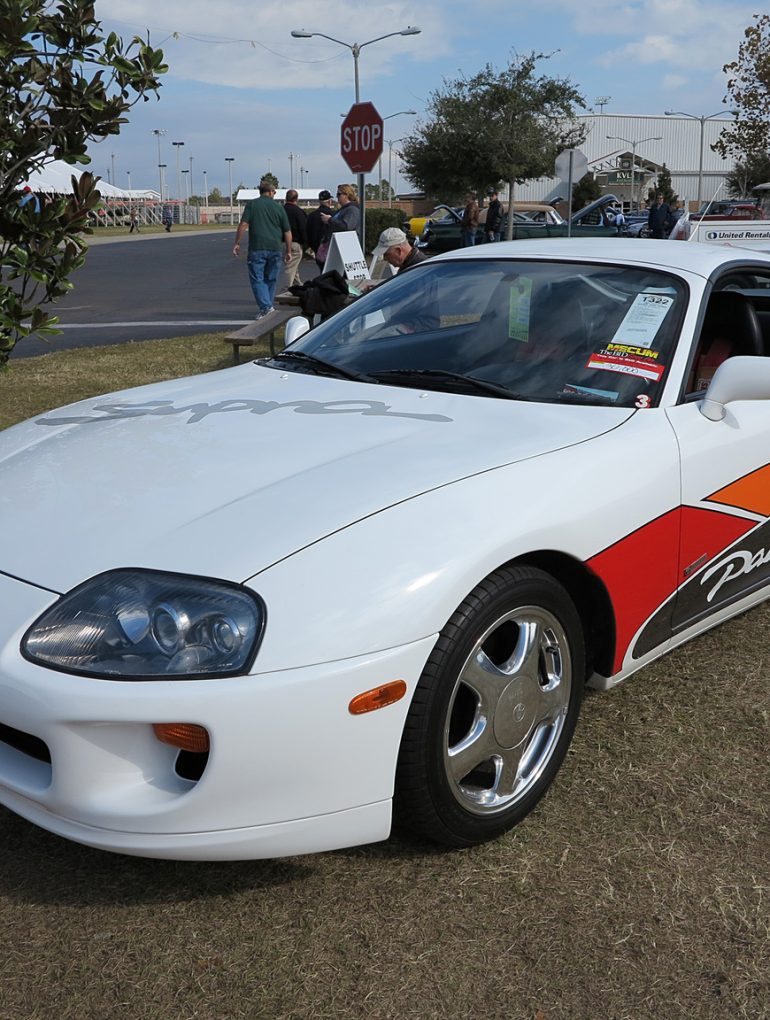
(149, 287)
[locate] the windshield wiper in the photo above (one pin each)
(428, 375)
(321, 367)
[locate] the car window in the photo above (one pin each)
(545, 331)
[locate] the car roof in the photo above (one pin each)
(693, 257)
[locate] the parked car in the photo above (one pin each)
(532, 220)
(258, 612)
(729, 211)
(415, 225)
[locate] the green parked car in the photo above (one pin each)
(530, 220)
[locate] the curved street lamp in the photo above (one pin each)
(692, 116)
(355, 49)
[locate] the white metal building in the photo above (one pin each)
(619, 147)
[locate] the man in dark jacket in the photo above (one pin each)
(494, 224)
(316, 230)
(298, 224)
(659, 219)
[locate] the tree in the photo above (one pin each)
(495, 126)
(584, 192)
(748, 93)
(746, 174)
(374, 192)
(216, 197)
(271, 178)
(62, 84)
(664, 187)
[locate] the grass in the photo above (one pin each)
(158, 228)
(33, 385)
(638, 890)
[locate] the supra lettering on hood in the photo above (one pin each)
(200, 410)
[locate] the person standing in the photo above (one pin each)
(494, 224)
(298, 225)
(133, 220)
(316, 230)
(470, 220)
(659, 218)
(28, 197)
(348, 216)
(268, 227)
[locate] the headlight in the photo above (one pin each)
(139, 624)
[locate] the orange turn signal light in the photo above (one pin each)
(185, 736)
(377, 697)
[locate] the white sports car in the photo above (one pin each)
(262, 611)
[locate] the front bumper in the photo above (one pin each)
(290, 770)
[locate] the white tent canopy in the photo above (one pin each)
(56, 179)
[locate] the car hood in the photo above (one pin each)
(224, 474)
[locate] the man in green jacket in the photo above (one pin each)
(269, 230)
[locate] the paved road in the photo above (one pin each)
(145, 288)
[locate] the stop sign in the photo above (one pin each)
(361, 138)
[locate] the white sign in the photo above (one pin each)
(740, 235)
(346, 257)
(579, 165)
(642, 321)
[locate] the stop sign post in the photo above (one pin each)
(361, 138)
(571, 166)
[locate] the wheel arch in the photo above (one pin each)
(591, 600)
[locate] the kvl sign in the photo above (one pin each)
(361, 138)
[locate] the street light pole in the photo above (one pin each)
(158, 132)
(355, 49)
(391, 143)
(191, 178)
(639, 141)
(186, 186)
(206, 188)
(178, 146)
(692, 116)
(230, 160)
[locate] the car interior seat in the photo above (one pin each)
(731, 327)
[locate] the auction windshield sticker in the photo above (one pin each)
(643, 319)
(627, 360)
(519, 302)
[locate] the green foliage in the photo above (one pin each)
(270, 177)
(664, 186)
(748, 92)
(584, 192)
(495, 126)
(377, 220)
(379, 192)
(747, 173)
(62, 84)
(216, 197)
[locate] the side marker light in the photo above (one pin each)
(378, 697)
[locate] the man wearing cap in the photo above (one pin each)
(494, 224)
(28, 196)
(268, 227)
(394, 248)
(315, 228)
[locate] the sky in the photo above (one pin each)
(240, 86)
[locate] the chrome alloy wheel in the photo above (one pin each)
(507, 710)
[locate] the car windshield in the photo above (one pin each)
(544, 331)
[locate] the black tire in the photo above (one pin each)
(500, 695)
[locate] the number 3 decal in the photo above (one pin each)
(642, 400)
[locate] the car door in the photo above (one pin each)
(725, 470)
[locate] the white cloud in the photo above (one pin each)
(251, 47)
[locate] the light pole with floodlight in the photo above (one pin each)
(186, 186)
(206, 188)
(355, 49)
(158, 132)
(640, 141)
(391, 143)
(411, 113)
(230, 160)
(692, 116)
(178, 146)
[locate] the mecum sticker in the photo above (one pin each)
(641, 367)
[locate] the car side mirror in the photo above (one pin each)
(295, 328)
(738, 378)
